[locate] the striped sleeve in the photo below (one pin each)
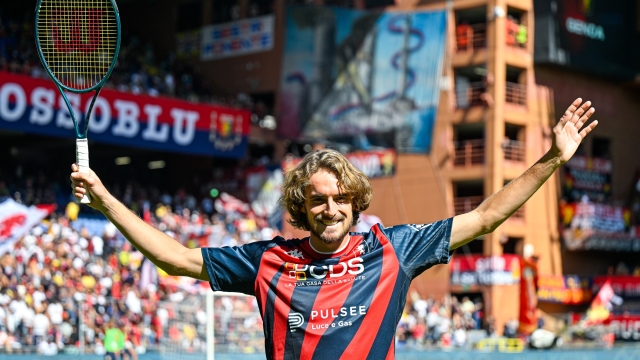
(234, 269)
(420, 246)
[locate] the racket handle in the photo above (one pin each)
(82, 159)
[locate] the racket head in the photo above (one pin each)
(78, 41)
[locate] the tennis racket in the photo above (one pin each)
(78, 43)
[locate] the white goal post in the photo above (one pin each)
(218, 323)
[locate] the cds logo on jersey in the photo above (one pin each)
(303, 272)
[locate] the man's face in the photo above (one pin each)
(329, 211)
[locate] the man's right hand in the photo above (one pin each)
(82, 182)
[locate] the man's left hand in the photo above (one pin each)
(567, 135)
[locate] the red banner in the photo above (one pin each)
(35, 106)
(473, 270)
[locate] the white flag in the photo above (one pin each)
(16, 220)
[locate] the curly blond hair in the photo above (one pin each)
(351, 181)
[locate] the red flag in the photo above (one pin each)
(16, 220)
(601, 306)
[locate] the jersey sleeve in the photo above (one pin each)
(233, 269)
(420, 246)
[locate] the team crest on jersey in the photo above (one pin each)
(417, 227)
(360, 249)
(296, 254)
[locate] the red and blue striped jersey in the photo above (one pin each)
(344, 305)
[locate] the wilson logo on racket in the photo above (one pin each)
(67, 30)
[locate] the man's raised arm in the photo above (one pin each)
(494, 210)
(162, 250)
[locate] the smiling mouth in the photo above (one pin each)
(329, 222)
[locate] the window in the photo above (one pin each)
(189, 16)
(225, 11)
(512, 245)
(600, 148)
(259, 8)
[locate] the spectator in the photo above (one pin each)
(521, 35)
(54, 312)
(459, 338)
(511, 328)
(464, 36)
(113, 341)
(41, 326)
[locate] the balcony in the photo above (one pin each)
(474, 37)
(471, 152)
(465, 204)
(516, 34)
(471, 94)
(471, 37)
(468, 153)
(513, 150)
(516, 93)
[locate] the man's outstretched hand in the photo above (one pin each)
(82, 182)
(567, 135)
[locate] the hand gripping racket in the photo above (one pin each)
(78, 43)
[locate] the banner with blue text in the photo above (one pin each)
(35, 106)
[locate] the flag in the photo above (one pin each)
(602, 304)
(226, 204)
(148, 274)
(16, 220)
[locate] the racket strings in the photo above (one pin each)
(78, 40)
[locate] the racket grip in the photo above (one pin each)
(82, 159)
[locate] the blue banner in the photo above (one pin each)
(367, 78)
(35, 106)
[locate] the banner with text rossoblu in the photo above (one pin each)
(35, 106)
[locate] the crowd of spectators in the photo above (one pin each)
(622, 269)
(444, 323)
(61, 273)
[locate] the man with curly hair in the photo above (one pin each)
(335, 294)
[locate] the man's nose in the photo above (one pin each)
(330, 208)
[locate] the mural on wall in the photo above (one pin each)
(367, 78)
